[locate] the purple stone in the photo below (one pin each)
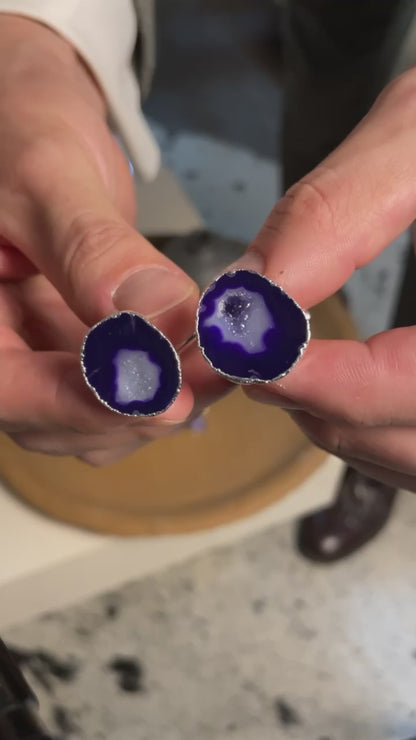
(130, 365)
(249, 329)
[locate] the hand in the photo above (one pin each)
(356, 400)
(69, 254)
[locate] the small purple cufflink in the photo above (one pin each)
(130, 366)
(249, 329)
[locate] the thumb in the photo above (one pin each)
(346, 211)
(65, 223)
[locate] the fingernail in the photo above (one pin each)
(152, 291)
(252, 260)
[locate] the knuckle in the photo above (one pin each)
(310, 201)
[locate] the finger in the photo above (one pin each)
(45, 390)
(46, 322)
(393, 448)
(77, 444)
(64, 221)
(372, 383)
(383, 470)
(10, 342)
(13, 264)
(207, 386)
(384, 475)
(101, 458)
(347, 210)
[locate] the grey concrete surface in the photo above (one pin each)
(250, 642)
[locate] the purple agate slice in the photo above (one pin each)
(130, 365)
(249, 329)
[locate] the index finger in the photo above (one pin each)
(346, 211)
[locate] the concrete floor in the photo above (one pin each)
(250, 642)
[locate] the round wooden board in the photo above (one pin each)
(247, 457)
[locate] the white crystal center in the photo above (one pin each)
(243, 318)
(137, 377)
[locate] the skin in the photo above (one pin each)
(353, 399)
(67, 244)
(66, 216)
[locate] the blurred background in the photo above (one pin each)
(245, 640)
(216, 109)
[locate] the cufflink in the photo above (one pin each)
(249, 329)
(130, 366)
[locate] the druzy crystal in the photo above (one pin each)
(249, 329)
(130, 365)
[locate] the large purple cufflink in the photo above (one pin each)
(249, 329)
(131, 367)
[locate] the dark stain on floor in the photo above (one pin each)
(46, 667)
(129, 673)
(188, 585)
(112, 610)
(286, 715)
(258, 606)
(82, 631)
(65, 720)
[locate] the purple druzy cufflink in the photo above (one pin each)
(131, 367)
(249, 329)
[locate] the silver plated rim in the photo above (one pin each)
(97, 395)
(253, 381)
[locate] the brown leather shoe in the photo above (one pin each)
(361, 509)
